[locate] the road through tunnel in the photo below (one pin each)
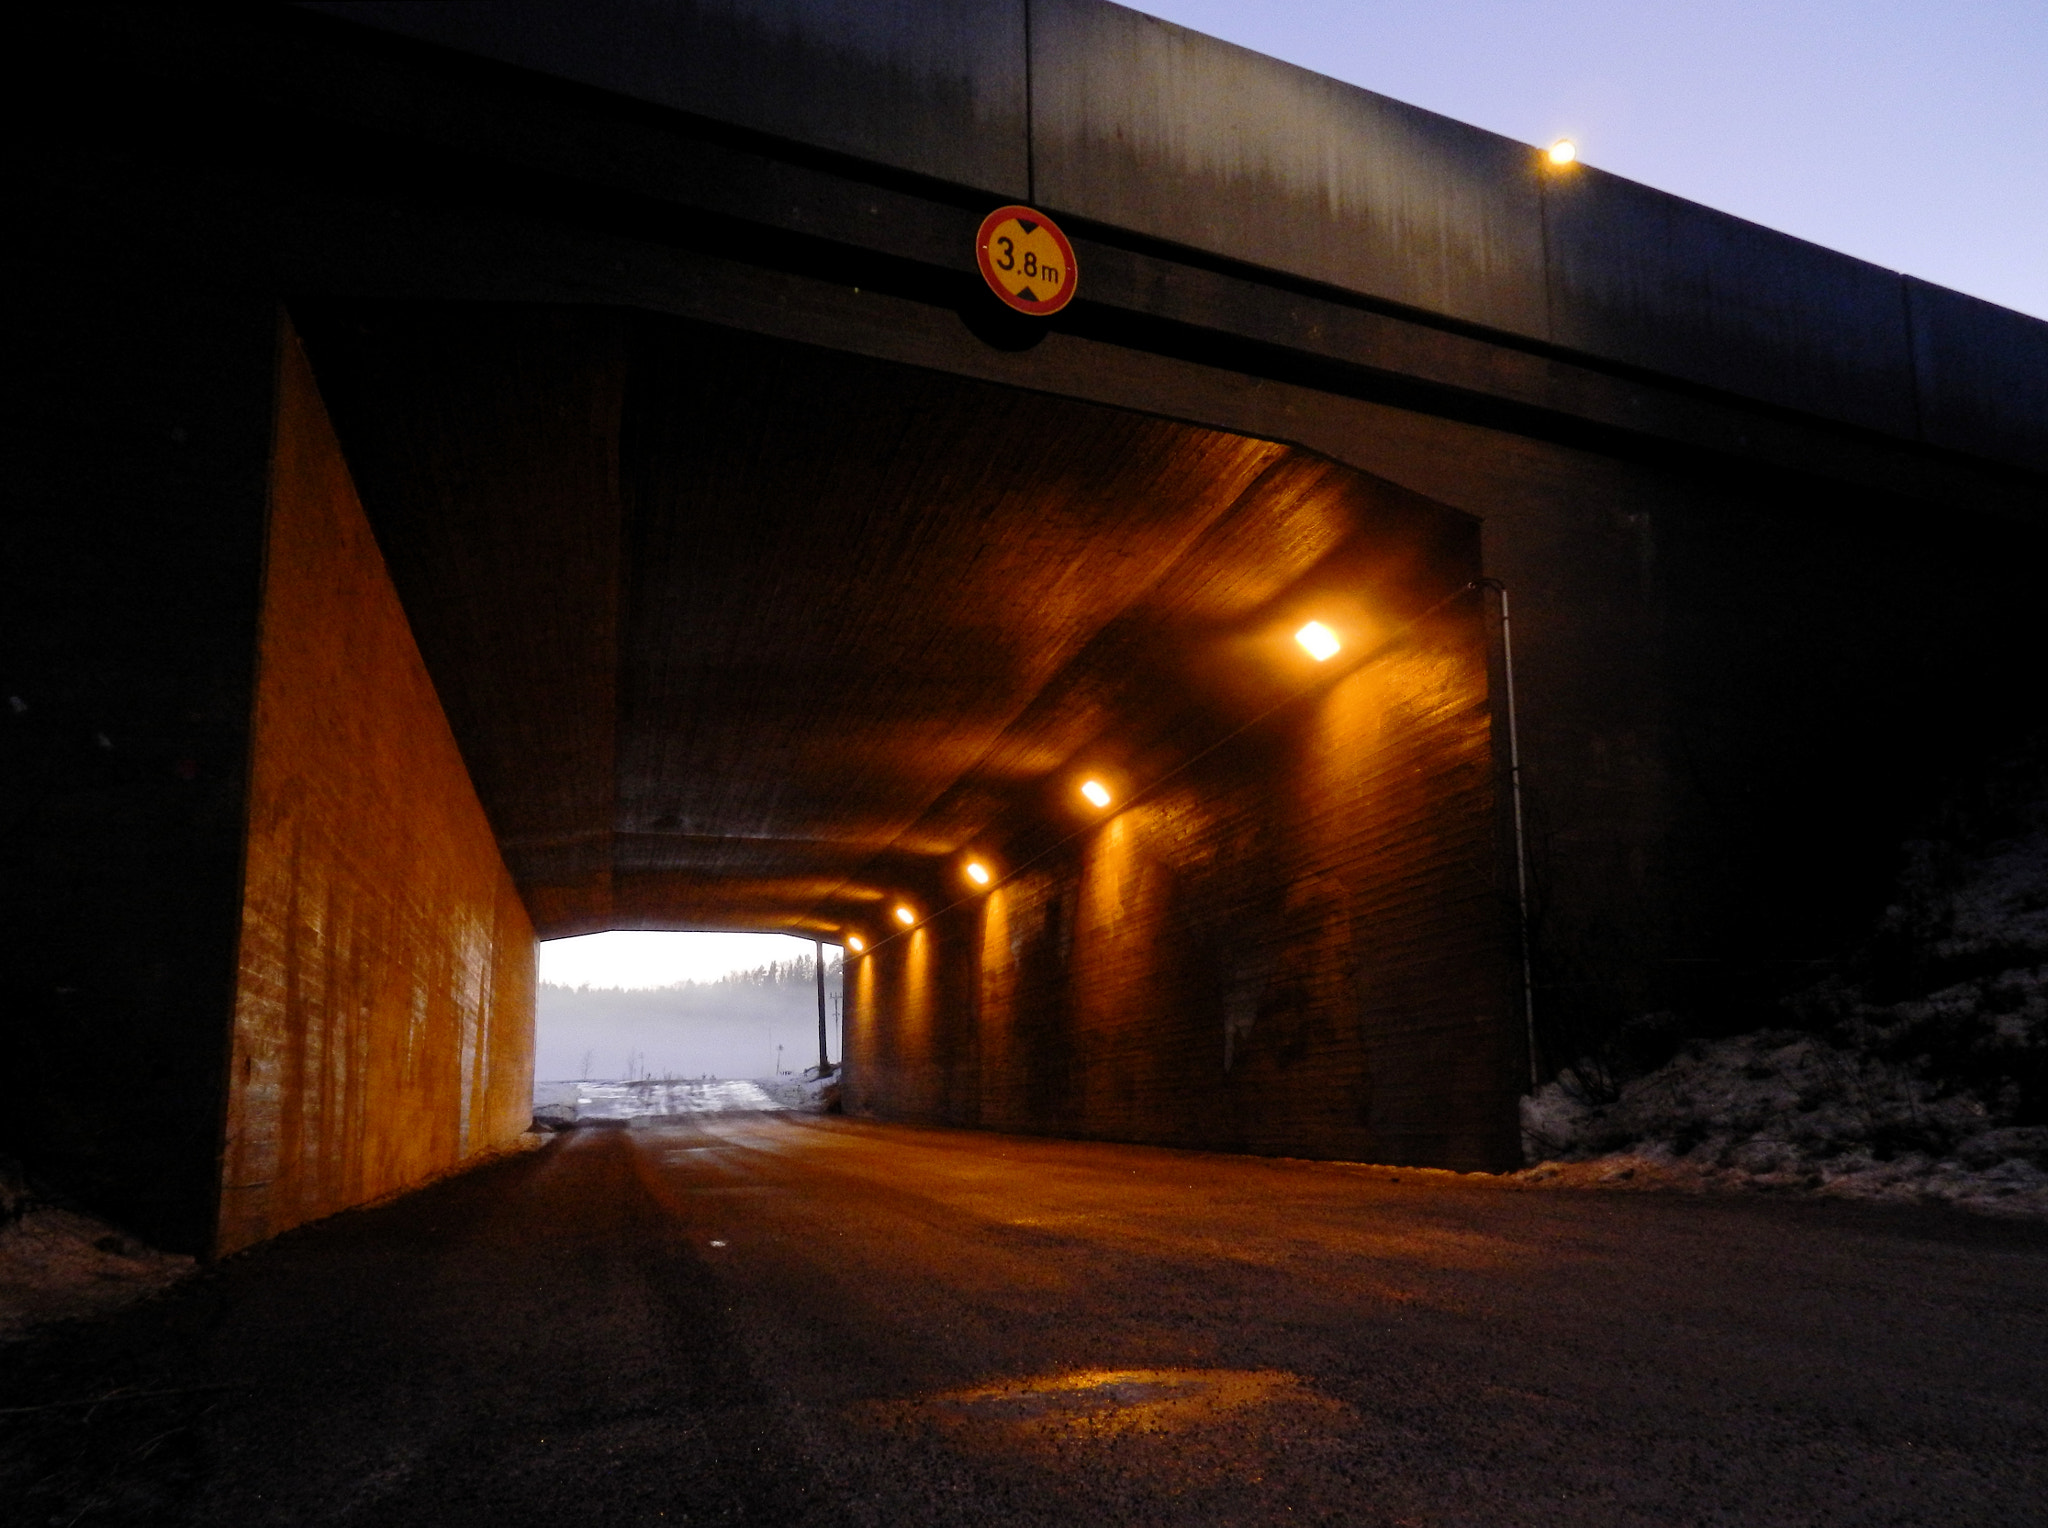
(741, 633)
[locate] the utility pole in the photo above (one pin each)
(824, 1060)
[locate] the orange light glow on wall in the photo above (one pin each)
(905, 916)
(978, 873)
(1096, 792)
(1319, 641)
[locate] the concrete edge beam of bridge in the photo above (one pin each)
(836, 221)
(1140, 125)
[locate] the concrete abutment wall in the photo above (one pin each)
(259, 957)
(383, 1020)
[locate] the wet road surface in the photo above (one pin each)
(785, 1319)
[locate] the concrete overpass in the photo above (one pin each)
(482, 471)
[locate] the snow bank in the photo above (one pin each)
(56, 1265)
(1919, 1074)
(1781, 1112)
(560, 1105)
(806, 1091)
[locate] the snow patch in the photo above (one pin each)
(58, 1265)
(1781, 1111)
(806, 1091)
(558, 1105)
(1919, 1073)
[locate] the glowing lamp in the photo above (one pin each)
(1096, 792)
(905, 916)
(977, 872)
(1564, 151)
(1319, 640)
(855, 943)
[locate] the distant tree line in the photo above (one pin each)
(800, 972)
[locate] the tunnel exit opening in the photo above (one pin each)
(665, 1022)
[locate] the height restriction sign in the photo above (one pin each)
(1026, 260)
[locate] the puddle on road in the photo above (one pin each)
(1110, 1404)
(1242, 1446)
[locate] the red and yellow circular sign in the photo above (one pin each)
(1026, 260)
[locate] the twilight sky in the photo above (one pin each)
(1912, 135)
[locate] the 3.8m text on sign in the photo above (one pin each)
(1026, 260)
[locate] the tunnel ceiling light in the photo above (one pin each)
(1564, 151)
(1320, 641)
(1096, 792)
(855, 943)
(978, 873)
(905, 916)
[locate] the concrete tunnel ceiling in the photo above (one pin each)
(740, 633)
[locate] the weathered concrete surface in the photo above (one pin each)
(770, 1323)
(1146, 128)
(936, 87)
(1983, 375)
(1643, 277)
(1298, 941)
(379, 1015)
(383, 1016)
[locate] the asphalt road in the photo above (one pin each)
(784, 1320)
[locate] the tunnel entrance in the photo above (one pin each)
(739, 632)
(338, 672)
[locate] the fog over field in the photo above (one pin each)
(618, 1018)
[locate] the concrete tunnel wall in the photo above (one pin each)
(383, 1016)
(1299, 942)
(256, 932)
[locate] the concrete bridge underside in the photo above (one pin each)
(740, 633)
(426, 543)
